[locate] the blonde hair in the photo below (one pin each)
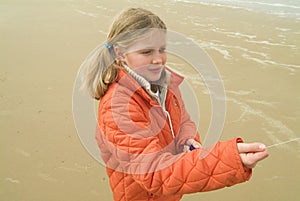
(100, 68)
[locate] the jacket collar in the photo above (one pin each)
(131, 80)
(140, 80)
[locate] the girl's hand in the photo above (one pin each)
(189, 143)
(251, 153)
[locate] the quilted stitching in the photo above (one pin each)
(222, 167)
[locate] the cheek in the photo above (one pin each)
(137, 61)
(131, 60)
(164, 58)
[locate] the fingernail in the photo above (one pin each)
(262, 146)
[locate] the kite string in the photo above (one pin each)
(280, 143)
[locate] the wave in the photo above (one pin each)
(256, 56)
(216, 47)
(233, 34)
(280, 9)
(265, 42)
(280, 5)
(290, 67)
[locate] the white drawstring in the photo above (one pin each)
(147, 86)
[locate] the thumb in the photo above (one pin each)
(251, 147)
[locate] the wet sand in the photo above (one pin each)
(43, 45)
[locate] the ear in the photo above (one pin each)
(118, 53)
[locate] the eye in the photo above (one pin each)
(162, 50)
(146, 52)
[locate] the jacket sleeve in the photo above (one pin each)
(190, 173)
(157, 170)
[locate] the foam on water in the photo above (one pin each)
(290, 67)
(266, 42)
(280, 8)
(262, 58)
(217, 47)
(233, 34)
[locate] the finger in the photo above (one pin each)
(249, 160)
(258, 156)
(190, 142)
(186, 148)
(250, 147)
(196, 144)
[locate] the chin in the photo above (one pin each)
(154, 78)
(158, 78)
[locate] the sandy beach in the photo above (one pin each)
(43, 44)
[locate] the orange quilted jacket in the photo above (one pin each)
(144, 159)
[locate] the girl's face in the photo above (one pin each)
(147, 57)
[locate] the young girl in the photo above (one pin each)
(149, 144)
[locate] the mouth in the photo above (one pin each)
(156, 69)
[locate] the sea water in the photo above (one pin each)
(281, 8)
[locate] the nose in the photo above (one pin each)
(157, 58)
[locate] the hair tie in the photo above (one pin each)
(108, 46)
